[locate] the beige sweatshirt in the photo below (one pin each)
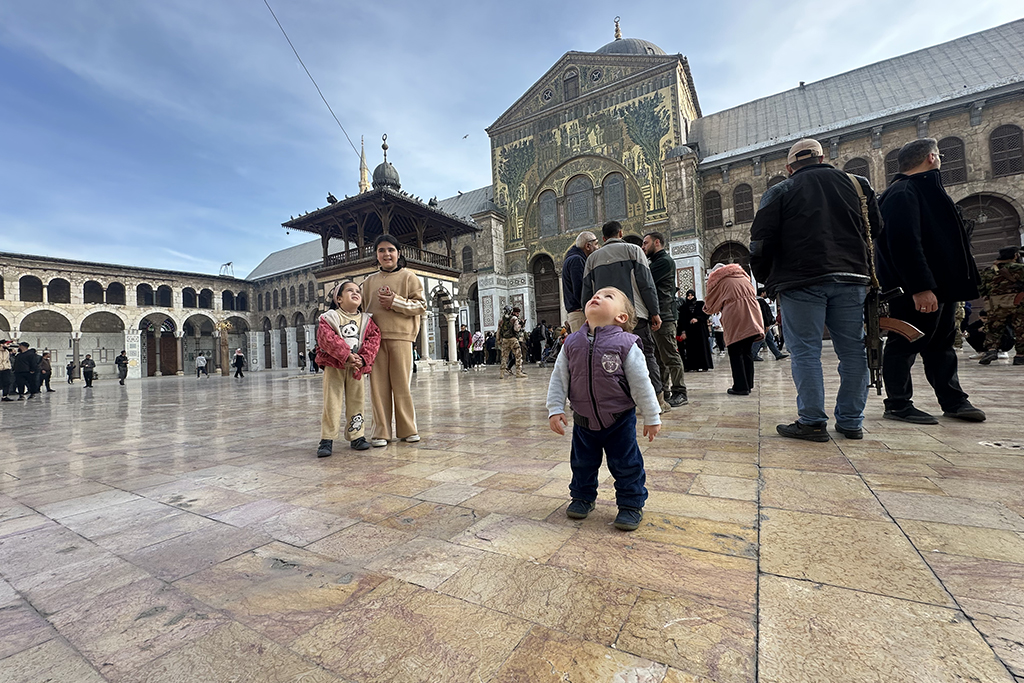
(402, 322)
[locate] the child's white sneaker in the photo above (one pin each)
(412, 439)
(378, 443)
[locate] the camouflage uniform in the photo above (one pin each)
(510, 330)
(958, 321)
(1000, 284)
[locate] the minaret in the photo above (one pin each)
(364, 171)
(618, 33)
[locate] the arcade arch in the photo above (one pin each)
(159, 353)
(731, 252)
(282, 339)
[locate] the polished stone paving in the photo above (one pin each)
(183, 530)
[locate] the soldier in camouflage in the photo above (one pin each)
(1002, 285)
(510, 332)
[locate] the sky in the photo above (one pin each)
(180, 134)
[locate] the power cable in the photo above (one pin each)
(312, 80)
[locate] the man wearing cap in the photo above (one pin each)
(1002, 285)
(572, 277)
(924, 248)
(809, 247)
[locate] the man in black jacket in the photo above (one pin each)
(26, 370)
(809, 245)
(663, 271)
(925, 249)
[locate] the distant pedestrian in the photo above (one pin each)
(26, 368)
(302, 361)
(45, 372)
(122, 367)
(478, 348)
(692, 334)
(88, 368)
(490, 348)
(239, 363)
(313, 367)
(465, 344)
(6, 373)
(200, 366)
(730, 293)
(70, 369)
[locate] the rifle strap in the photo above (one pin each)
(867, 227)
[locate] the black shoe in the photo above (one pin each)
(578, 509)
(360, 444)
(51, 391)
(912, 415)
(781, 356)
(966, 412)
(733, 392)
(757, 358)
(21, 398)
(122, 383)
(799, 430)
(6, 398)
(988, 357)
(677, 398)
(326, 448)
(628, 519)
(857, 433)
(1018, 359)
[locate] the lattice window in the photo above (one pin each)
(743, 203)
(548, 206)
(579, 203)
(312, 296)
(954, 164)
(858, 166)
(712, 210)
(892, 166)
(302, 294)
(259, 302)
(467, 259)
(1007, 155)
(276, 301)
(571, 85)
(291, 296)
(615, 197)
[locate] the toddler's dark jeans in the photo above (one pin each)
(624, 461)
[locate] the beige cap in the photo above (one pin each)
(803, 149)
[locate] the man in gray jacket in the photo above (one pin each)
(625, 267)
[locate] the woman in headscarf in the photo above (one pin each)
(692, 334)
(729, 291)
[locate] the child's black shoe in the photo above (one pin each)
(578, 509)
(628, 519)
(360, 444)
(325, 449)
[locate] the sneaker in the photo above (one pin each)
(360, 444)
(1004, 355)
(678, 398)
(966, 412)
(378, 443)
(520, 375)
(976, 356)
(857, 433)
(781, 356)
(912, 415)
(734, 392)
(326, 448)
(799, 430)
(412, 439)
(6, 398)
(578, 509)
(988, 357)
(628, 519)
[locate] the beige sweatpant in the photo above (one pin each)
(340, 386)
(389, 383)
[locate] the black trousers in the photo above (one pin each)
(935, 349)
(742, 363)
(643, 330)
(238, 371)
(25, 383)
(46, 381)
(6, 381)
(87, 376)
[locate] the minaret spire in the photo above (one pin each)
(364, 171)
(618, 33)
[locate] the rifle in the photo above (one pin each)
(876, 305)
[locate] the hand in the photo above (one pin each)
(655, 323)
(925, 302)
(651, 431)
(356, 360)
(557, 423)
(386, 297)
(693, 321)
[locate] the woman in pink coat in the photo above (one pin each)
(729, 292)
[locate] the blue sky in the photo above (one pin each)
(180, 133)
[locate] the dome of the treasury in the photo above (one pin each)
(630, 46)
(385, 175)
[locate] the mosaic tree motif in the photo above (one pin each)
(647, 125)
(516, 161)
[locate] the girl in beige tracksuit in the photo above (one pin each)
(394, 297)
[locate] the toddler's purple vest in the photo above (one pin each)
(597, 379)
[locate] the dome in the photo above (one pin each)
(680, 151)
(630, 46)
(385, 175)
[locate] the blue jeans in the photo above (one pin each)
(805, 312)
(624, 461)
(769, 340)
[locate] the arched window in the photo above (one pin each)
(312, 294)
(467, 259)
(712, 210)
(242, 302)
(291, 295)
(743, 203)
(1007, 155)
(858, 166)
(30, 288)
(164, 296)
(115, 294)
(775, 180)
(2, 287)
(548, 207)
(892, 166)
(954, 164)
(571, 85)
(579, 202)
(188, 298)
(614, 197)
(284, 297)
(58, 291)
(92, 292)
(144, 295)
(206, 298)
(275, 300)
(259, 301)
(302, 294)
(227, 300)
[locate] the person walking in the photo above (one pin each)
(200, 366)
(663, 272)
(478, 348)
(45, 373)
(6, 370)
(122, 367)
(768, 319)
(573, 266)
(510, 332)
(925, 248)
(26, 369)
(809, 245)
(1001, 285)
(730, 293)
(692, 334)
(70, 370)
(302, 361)
(239, 362)
(465, 343)
(394, 297)
(88, 368)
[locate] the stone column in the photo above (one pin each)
(76, 338)
(292, 342)
(253, 342)
(158, 334)
(424, 338)
(179, 353)
(274, 361)
(453, 346)
(133, 345)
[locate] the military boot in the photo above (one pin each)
(988, 357)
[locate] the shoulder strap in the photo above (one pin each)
(867, 226)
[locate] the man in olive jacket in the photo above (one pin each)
(924, 248)
(663, 271)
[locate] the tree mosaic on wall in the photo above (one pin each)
(516, 161)
(647, 125)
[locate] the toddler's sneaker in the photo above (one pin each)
(628, 519)
(412, 438)
(378, 443)
(578, 509)
(325, 449)
(360, 444)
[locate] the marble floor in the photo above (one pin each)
(183, 530)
